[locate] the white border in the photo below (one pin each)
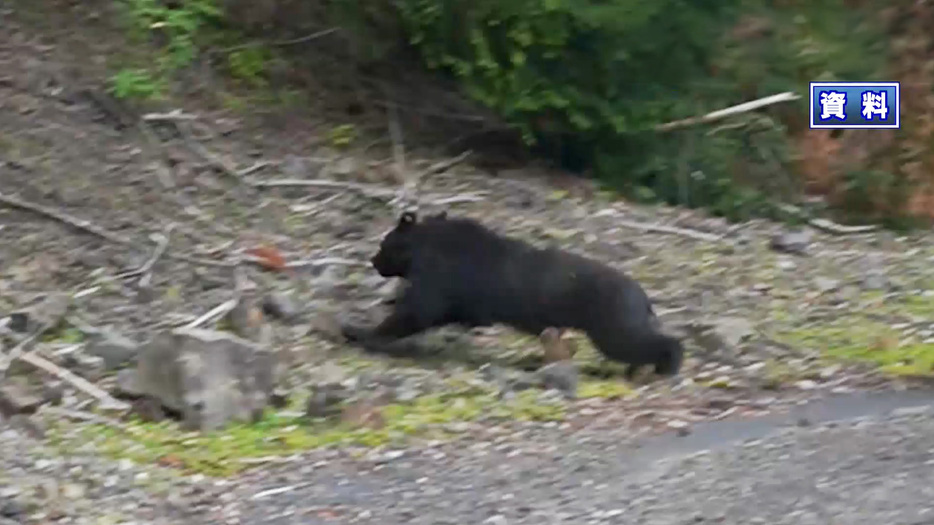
(898, 105)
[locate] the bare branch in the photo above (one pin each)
(174, 115)
(660, 228)
(828, 225)
(215, 313)
(370, 190)
(107, 401)
(281, 43)
(726, 112)
(91, 228)
(444, 165)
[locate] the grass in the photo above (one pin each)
(281, 433)
(220, 453)
(862, 337)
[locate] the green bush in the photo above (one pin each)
(588, 81)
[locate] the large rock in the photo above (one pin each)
(210, 378)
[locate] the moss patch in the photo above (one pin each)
(862, 338)
(607, 389)
(222, 453)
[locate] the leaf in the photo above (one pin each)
(268, 257)
(171, 461)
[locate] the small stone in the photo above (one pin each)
(279, 398)
(794, 243)
(17, 398)
(682, 428)
(345, 167)
(53, 392)
(280, 306)
(806, 384)
(875, 281)
(27, 426)
(825, 285)
(561, 376)
(498, 519)
(114, 349)
(73, 491)
(325, 400)
(127, 384)
(87, 366)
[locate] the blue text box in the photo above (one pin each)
(863, 105)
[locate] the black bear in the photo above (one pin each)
(458, 271)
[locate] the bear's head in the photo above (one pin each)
(394, 257)
(396, 250)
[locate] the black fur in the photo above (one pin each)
(460, 272)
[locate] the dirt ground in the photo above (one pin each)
(850, 312)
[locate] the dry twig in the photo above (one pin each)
(215, 313)
(107, 401)
(174, 115)
(444, 165)
(199, 149)
(367, 190)
(90, 417)
(163, 171)
(17, 351)
(91, 228)
(145, 269)
(828, 225)
(281, 43)
(660, 228)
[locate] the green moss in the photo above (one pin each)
(857, 338)
(221, 453)
(919, 305)
(608, 389)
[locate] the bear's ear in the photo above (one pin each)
(407, 219)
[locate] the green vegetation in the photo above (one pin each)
(590, 81)
(221, 453)
(587, 83)
(173, 37)
(862, 337)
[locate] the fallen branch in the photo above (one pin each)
(91, 228)
(17, 351)
(163, 171)
(90, 417)
(281, 43)
(455, 199)
(326, 261)
(174, 115)
(199, 149)
(745, 107)
(367, 190)
(107, 401)
(444, 165)
(659, 228)
(214, 313)
(144, 281)
(827, 225)
(144, 270)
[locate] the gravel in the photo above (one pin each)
(866, 471)
(878, 470)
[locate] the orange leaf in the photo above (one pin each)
(170, 460)
(268, 257)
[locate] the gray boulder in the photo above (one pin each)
(209, 377)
